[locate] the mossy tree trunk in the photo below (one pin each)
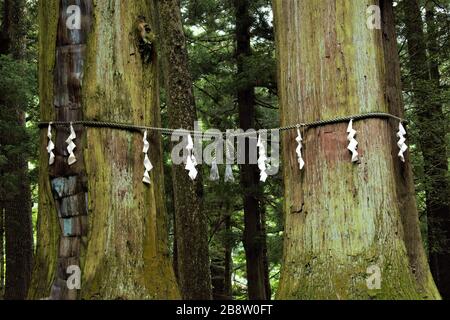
(118, 231)
(191, 224)
(340, 218)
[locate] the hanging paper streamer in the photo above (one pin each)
(191, 162)
(299, 140)
(229, 150)
(229, 176)
(147, 163)
(71, 146)
(262, 160)
(50, 146)
(353, 146)
(214, 175)
(402, 142)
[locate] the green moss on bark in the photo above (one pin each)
(340, 218)
(125, 254)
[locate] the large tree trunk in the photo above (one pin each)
(432, 125)
(112, 225)
(190, 219)
(16, 203)
(340, 218)
(254, 238)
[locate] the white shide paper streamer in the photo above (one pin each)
(353, 146)
(191, 162)
(229, 152)
(262, 160)
(147, 163)
(50, 146)
(214, 175)
(229, 176)
(71, 146)
(299, 140)
(402, 142)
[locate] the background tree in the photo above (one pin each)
(211, 28)
(254, 238)
(341, 218)
(191, 225)
(16, 96)
(432, 126)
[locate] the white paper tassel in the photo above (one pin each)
(147, 163)
(71, 146)
(262, 160)
(214, 175)
(299, 140)
(353, 146)
(50, 146)
(229, 176)
(191, 162)
(229, 150)
(402, 142)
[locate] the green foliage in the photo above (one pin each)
(210, 30)
(18, 96)
(436, 94)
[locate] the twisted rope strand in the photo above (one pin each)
(169, 131)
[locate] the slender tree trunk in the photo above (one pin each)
(221, 262)
(405, 183)
(97, 214)
(432, 124)
(228, 288)
(3, 50)
(341, 218)
(17, 205)
(191, 223)
(266, 256)
(2, 251)
(253, 230)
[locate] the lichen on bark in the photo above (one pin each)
(340, 218)
(125, 254)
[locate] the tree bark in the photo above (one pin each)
(340, 218)
(254, 238)
(191, 224)
(432, 124)
(221, 261)
(2, 251)
(16, 204)
(405, 183)
(97, 214)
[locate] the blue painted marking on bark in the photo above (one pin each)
(67, 232)
(64, 187)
